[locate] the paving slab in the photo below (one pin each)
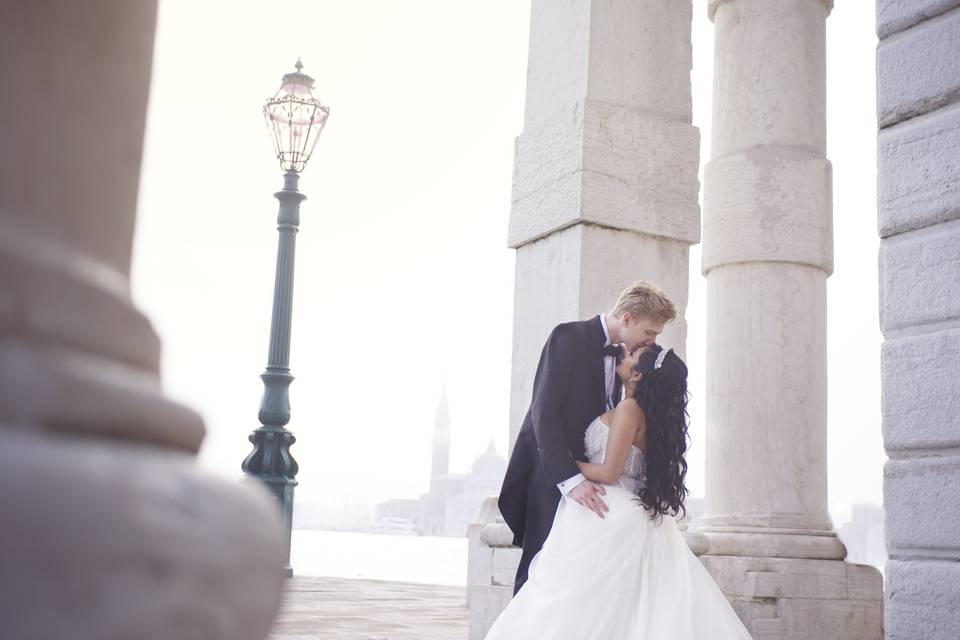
(346, 609)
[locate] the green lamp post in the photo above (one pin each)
(295, 118)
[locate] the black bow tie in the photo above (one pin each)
(614, 350)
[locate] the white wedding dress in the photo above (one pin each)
(622, 577)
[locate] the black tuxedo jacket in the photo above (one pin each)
(569, 391)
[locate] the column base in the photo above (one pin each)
(774, 543)
(798, 599)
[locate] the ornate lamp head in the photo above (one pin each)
(295, 118)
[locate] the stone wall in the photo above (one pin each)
(918, 201)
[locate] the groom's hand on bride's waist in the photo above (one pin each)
(588, 493)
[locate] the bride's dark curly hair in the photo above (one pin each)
(662, 392)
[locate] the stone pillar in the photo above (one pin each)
(918, 201)
(112, 533)
(767, 252)
(604, 193)
(605, 171)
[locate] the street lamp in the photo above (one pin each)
(295, 118)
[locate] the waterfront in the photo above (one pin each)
(410, 559)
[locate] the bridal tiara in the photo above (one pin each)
(660, 358)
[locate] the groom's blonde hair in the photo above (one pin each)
(644, 300)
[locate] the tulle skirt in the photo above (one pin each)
(621, 577)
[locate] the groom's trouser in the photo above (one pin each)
(542, 500)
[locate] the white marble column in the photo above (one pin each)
(109, 531)
(767, 253)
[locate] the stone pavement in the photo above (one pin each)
(345, 609)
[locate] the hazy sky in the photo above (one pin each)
(403, 278)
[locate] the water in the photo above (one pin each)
(342, 554)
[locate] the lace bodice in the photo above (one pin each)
(595, 446)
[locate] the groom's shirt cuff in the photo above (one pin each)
(567, 485)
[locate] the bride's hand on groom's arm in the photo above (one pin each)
(588, 493)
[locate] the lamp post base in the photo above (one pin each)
(271, 463)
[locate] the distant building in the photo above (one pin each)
(314, 511)
(404, 508)
(695, 507)
(454, 498)
(440, 462)
(864, 535)
(394, 526)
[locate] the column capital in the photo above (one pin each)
(713, 4)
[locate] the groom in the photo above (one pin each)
(575, 382)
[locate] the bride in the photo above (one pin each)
(630, 574)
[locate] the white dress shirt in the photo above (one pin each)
(609, 371)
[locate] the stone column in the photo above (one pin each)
(112, 532)
(918, 201)
(604, 193)
(767, 252)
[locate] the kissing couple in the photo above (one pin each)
(595, 484)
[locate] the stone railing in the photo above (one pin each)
(491, 567)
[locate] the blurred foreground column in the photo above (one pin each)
(767, 253)
(604, 194)
(918, 201)
(109, 531)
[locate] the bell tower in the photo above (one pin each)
(440, 465)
